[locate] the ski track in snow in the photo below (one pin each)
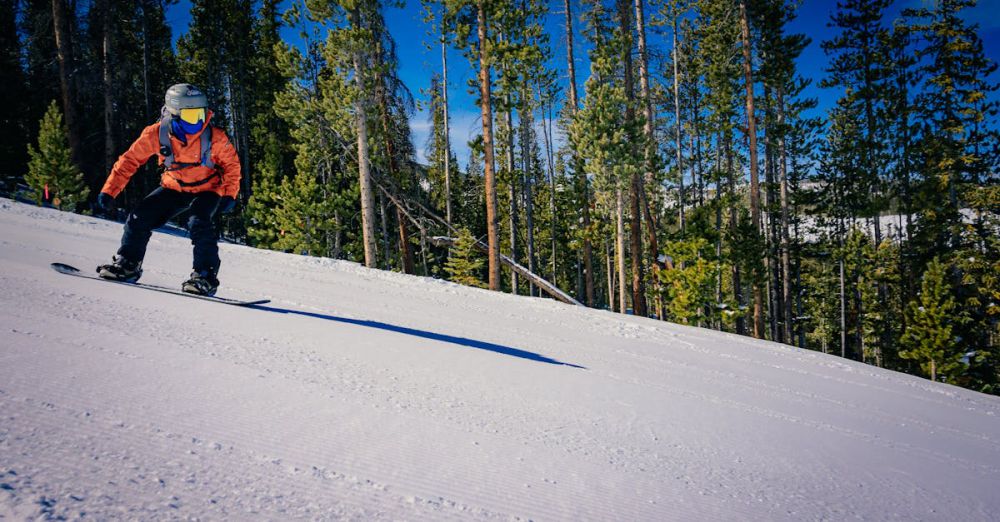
(366, 395)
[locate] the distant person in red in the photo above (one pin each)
(201, 173)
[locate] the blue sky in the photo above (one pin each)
(418, 62)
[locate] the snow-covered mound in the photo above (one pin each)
(364, 394)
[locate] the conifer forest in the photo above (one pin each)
(663, 158)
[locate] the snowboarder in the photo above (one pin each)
(201, 173)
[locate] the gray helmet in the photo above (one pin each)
(183, 96)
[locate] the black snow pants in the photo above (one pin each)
(157, 208)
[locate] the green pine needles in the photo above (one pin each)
(933, 319)
(464, 263)
(51, 168)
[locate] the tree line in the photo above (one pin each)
(690, 181)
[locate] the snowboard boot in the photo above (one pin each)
(121, 269)
(202, 282)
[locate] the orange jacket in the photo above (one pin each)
(223, 180)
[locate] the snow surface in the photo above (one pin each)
(362, 394)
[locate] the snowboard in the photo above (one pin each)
(63, 268)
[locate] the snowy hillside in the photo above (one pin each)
(366, 395)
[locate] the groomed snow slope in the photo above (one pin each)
(363, 394)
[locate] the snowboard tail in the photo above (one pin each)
(63, 268)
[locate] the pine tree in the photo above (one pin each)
(64, 22)
(952, 107)
(689, 283)
(584, 234)
(14, 121)
(464, 265)
(600, 130)
(51, 169)
(932, 321)
(718, 32)
(39, 56)
(316, 111)
(271, 153)
(443, 185)
(471, 23)
(821, 304)
(304, 220)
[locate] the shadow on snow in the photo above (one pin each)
(461, 341)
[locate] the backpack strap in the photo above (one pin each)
(167, 148)
(206, 147)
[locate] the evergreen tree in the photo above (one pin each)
(689, 282)
(932, 321)
(316, 111)
(14, 121)
(271, 153)
(600, 130)
(464, 265)
(304, 220)
(821, 304)
(860, 67)
(438, 151)
(39, 55)
(51, 170)
(953, 108)
(718, 33)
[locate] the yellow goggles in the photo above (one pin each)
(193, 115)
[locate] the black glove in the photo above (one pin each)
(105, 202)
(226, 205)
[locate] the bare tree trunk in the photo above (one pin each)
(620, 248)
(771, 226)
(733, 222)
(147, 98)
(487, 115)
(696, 127)
(677, 134)
(64, 49)
(514, 190)
(547, 130)
(364, 174)
(718, 224)
(588, 251)
(758, 298)
(611, 275)
(447, 134)
(384, 226)
(110, 151)
(786, 265)
(843, 312)
(527, 178)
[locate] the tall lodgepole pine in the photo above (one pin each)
(61, 22)
(758, 297)
(588, 249)
(677, 125)
(107, 77)
(364, 173)
(486, 108)
(620, 248)
(405, 249)
(528, 179)
(786, 265)
(515, 185)
(635, 229)
(649, 143)
(447, 137)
